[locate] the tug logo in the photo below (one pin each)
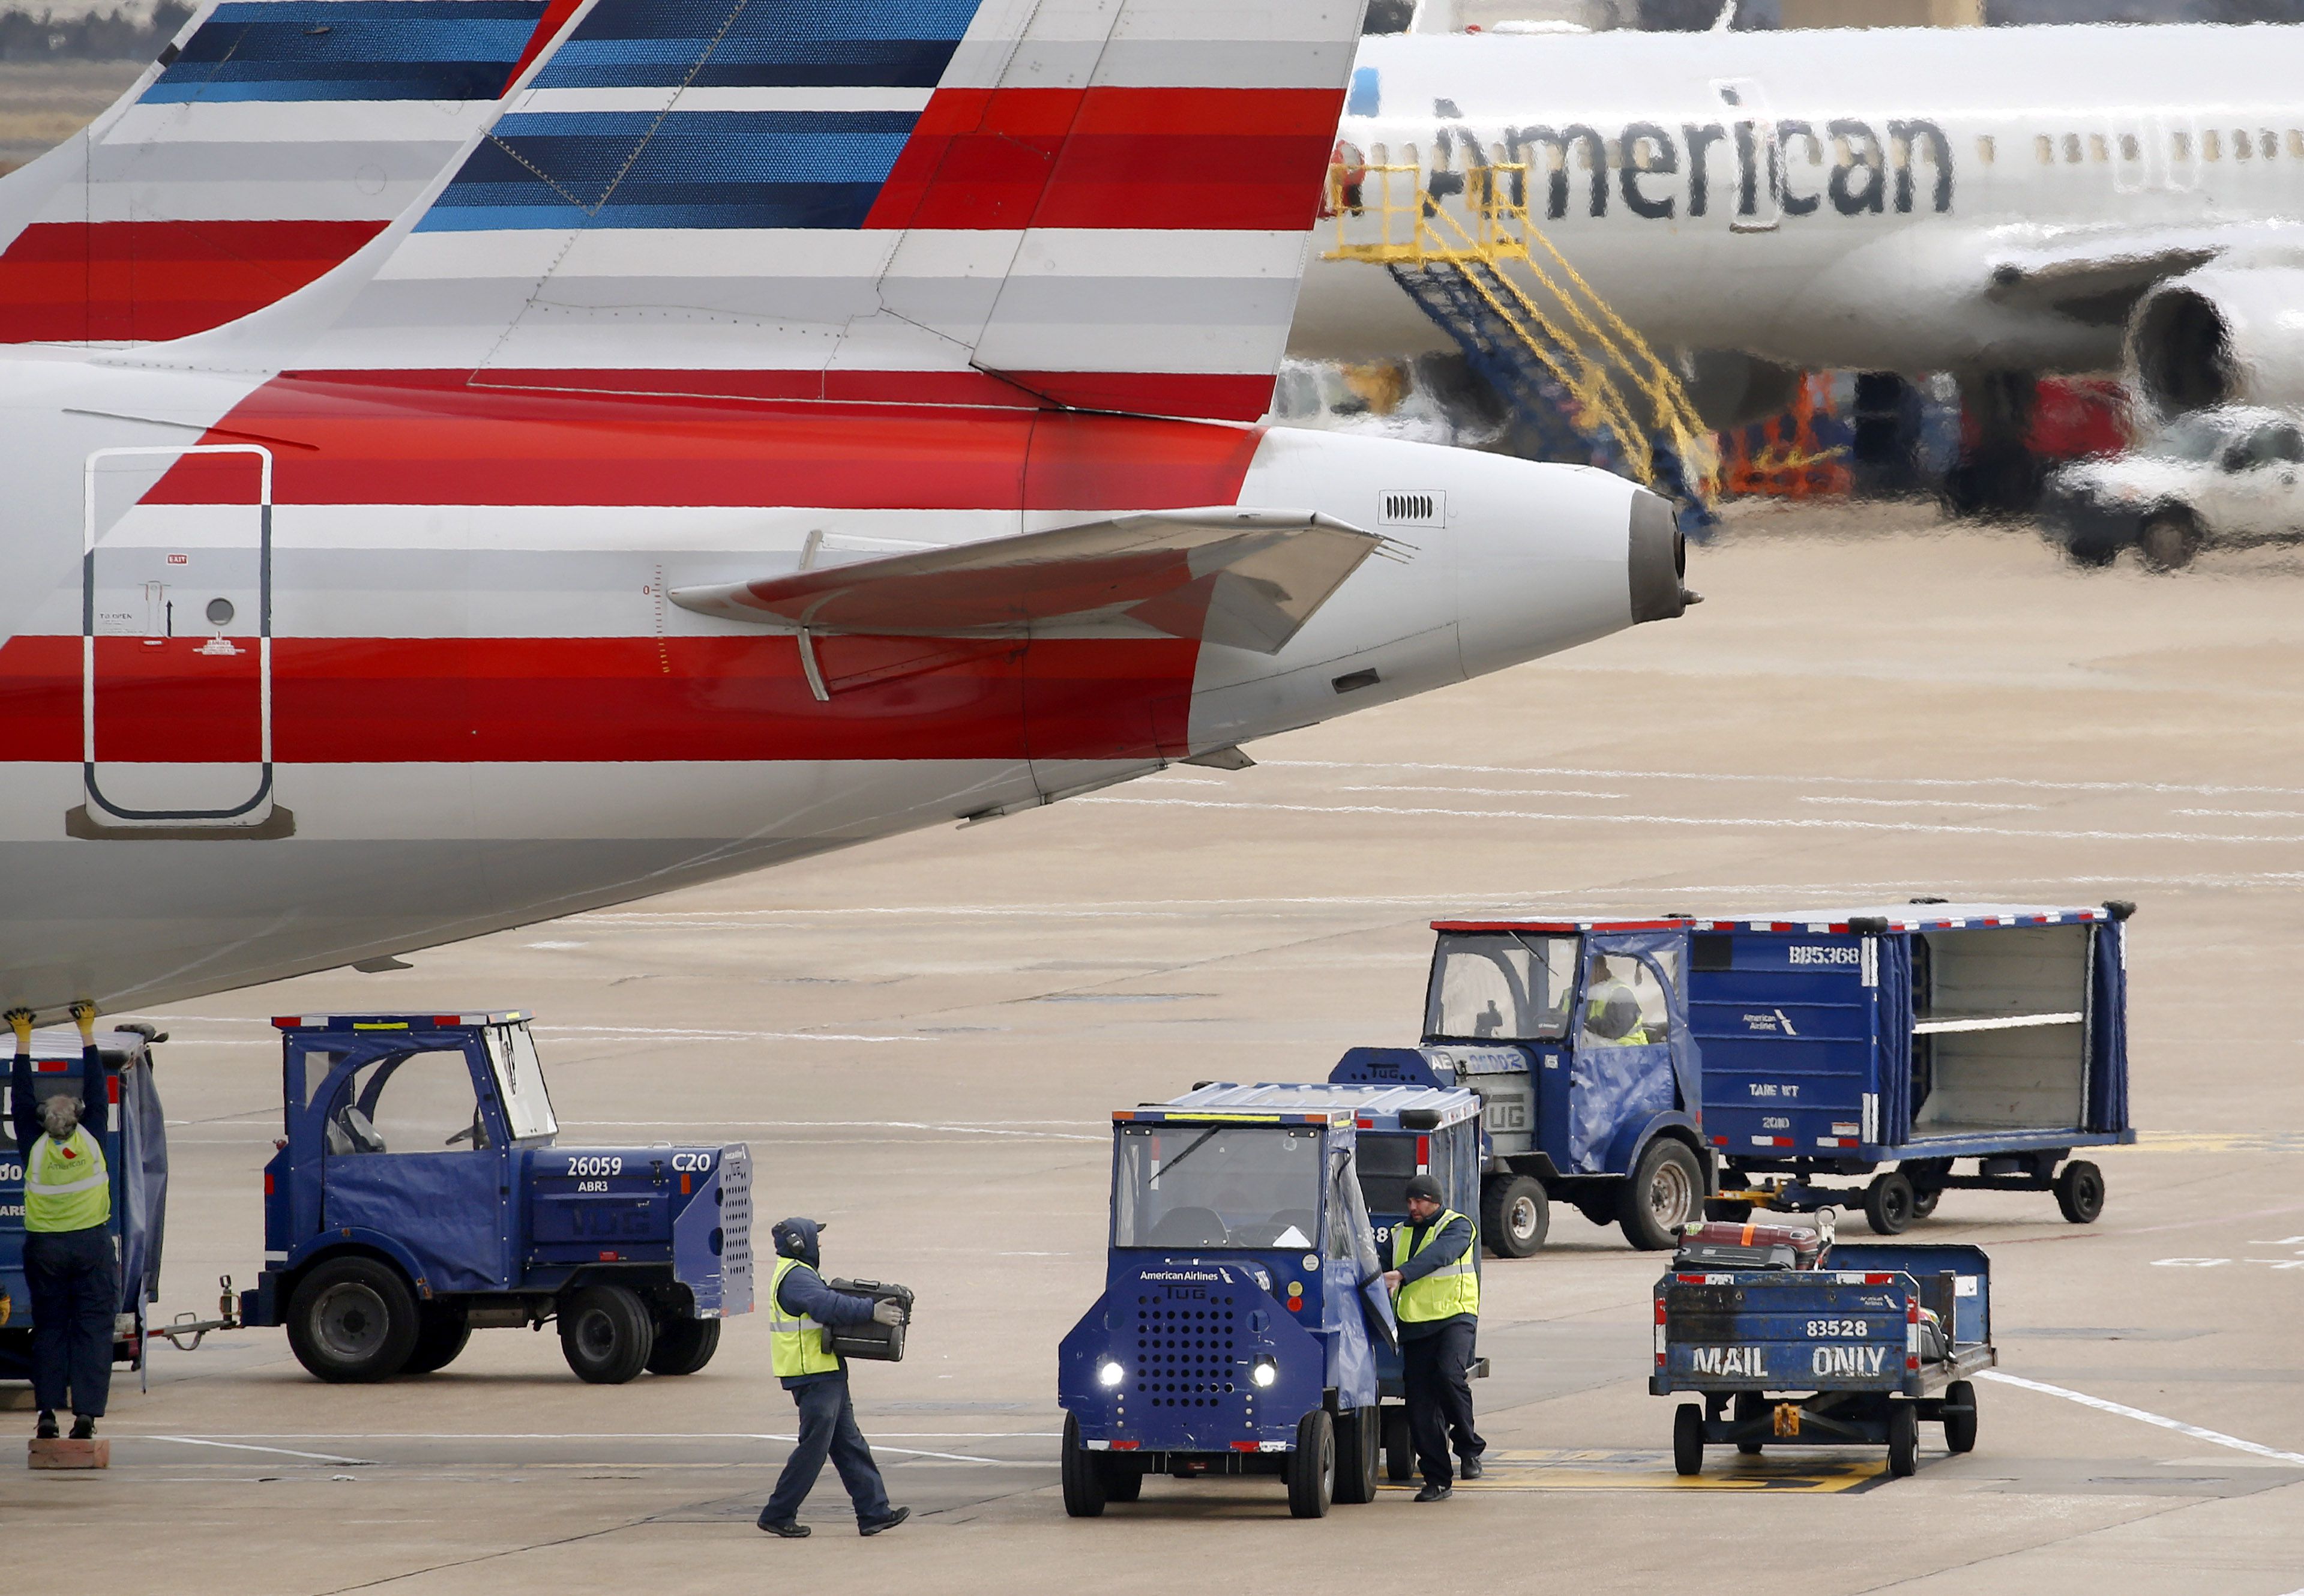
(1728, 1360)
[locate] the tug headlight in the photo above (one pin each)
(1110, 1373)
(1266, 1371)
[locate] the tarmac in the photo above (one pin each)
(922, 1041)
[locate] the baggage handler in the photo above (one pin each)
(69, 1266)
(1612, 1010)
(1436, 1284)
(800, 1309)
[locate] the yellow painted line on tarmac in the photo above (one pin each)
(1603, 1470)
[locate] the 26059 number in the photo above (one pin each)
(1838, 1327)
(596, 1166)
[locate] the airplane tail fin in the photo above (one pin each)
(1100, 204)
(270, 141)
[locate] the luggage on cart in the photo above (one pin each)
(1723, 1244)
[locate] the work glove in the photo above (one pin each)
(888, 1312)
(84, 1013)
(20, 1021)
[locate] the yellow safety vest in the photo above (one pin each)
(1447, 1291)
(66, 1186)
(796, 1346)
(1596, 1003)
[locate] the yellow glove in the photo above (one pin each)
(84, 1013)
(20, 1021)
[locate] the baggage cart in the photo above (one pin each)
(1861, 1352)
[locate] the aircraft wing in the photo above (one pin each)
(2096, 276)
(1245, 579)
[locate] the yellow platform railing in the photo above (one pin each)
(1614, 379)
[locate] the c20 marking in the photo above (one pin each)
(691, 1163)
(610, 1165)
(1839, 1326)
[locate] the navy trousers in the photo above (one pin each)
(827, 1428)
(75, 1286)
(1439, 1399)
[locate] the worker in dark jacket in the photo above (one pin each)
(1436, 1281)
(800, 1309)
(69, 1266)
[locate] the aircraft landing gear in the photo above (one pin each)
(1997, 473)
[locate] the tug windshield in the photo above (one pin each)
(1216, 1186)
(1500, 986)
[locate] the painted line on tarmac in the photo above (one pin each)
(1592, 1469)
(1709, 822)
(200, 1440)
(834, 1125)
(2217, 1437)
(1797, 781)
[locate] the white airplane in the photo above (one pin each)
(1985, 202)
(774, 431)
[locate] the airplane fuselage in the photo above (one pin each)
(1834, 198)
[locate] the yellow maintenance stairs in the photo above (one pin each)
(1527, 320)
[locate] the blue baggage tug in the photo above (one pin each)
(420, 1195)
(1859, 1352)
(1595, 1105)
(135, 1151)
(1244, 1306)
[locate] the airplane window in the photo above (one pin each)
(2268, 142)
(2071, 149)
(2130, 150)
(2180, 147)
(2045, 148)
(1378, 156)
(2296, 142)
(2241, 148)
(1842, 155)
(1984, 149)
(2212, 147)
(2098, 150)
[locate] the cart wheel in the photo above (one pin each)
(606, 1334)
(1748, 1411)
(1357, 1435)
(1959, 1410)
(1903, 1439)
(1514, 1214)
(684, 1346)
(1123, 1477)
(1084, 1494)
(353, 1319)
(1688, 1439)
(1666, 1191)
(442, 1330)
(1399, 1445)
(2079, 1192)
(1925, 1174)
(1311, 1467)
(1888, 1203)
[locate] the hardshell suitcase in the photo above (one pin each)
(871, 1340)
(1723, 1245)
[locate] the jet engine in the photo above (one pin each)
(2218, 335)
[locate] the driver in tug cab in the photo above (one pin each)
(1611, 1011)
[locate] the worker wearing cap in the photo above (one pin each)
(1435, 1282)
(69, 1266)
(800, 1309)
(1612, 1010)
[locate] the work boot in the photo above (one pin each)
(83, 1428)
(873, 1526)
(786, 1528)
(1469, 1468)
(1435, 1493)
(46, 1430)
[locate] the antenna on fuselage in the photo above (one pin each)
(1726, 20)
